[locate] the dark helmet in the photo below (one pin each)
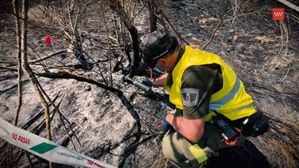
(156, 45)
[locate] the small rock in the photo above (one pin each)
(189, 35)
(87, 87)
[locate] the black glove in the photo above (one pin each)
(255, 125)
(147, 82)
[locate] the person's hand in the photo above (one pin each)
(147, 82)
(160, 81)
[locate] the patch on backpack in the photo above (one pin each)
(190, 96)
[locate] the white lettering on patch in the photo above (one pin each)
(190, 96)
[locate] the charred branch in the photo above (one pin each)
(119, 93)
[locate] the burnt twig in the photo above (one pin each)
(172, 27)
(204, 46)
(48, 56)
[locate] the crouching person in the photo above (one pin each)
(213, 110)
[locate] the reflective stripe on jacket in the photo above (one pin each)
(231, 100)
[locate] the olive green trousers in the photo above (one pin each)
(188, 154)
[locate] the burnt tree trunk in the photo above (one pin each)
(78, 51)
(152, 8)
(27, 69)
(117, 7)
(77, 40)
(20, 72)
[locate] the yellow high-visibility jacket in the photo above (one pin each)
(231, 100)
